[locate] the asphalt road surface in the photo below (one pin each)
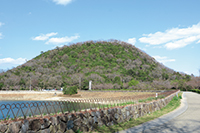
(185, 119)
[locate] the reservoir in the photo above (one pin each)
(12, 109)
(24, 109)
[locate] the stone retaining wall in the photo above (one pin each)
(84, 121)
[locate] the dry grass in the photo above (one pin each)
(112, 94)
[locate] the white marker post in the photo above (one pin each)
(156, 94)
(90, 85)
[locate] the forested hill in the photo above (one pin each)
(110, 65)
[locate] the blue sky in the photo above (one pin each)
(168, 30)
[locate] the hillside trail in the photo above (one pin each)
(186, 122)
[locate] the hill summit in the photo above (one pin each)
(109, 64)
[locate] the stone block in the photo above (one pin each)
(100, 123)
(70, 124)
(90, 121)
(3, 128)
(45, 124)
(109, 111)
(24, 128)
(127, 113)
(84, 128)
(44, 131)
(70, 131)
(62, 126)
(14, 127)
(119, 111)
(105, 120)
(54, 121)
(77, 122)
(101, 114)
(86, 115)
(98, 114)
(93, 113)
(34, 125)
(116, 116)
(53, 129)
(64, 118)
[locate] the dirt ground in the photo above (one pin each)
(100, 95)
(58, 95)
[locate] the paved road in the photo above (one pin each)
(185, 119)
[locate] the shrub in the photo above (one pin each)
(117, 80)
(70, 90)
(22, 88)
(175, 98)
(85, 85)
(196, 90)
(133, 82)
(1, 85)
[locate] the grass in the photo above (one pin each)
(173, 104)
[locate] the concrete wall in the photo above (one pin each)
(84, 121)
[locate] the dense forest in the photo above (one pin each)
(109, 64)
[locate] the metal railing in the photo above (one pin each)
(43, 108)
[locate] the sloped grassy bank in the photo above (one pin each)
(173, 104)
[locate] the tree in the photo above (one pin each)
(1, 85)
(133, 82)
(22, 82)
(179, 84)
(70, 90)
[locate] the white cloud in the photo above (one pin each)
(1, 24)
(65, 39)
(182, 42)
(12, 61)
(163, 59)
(187, 72)
(1, 35)
(62, 2)
(173, 38)
(43, 37)
(132, 41)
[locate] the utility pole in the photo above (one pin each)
(90, 85)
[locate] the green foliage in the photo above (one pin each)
(187, 77)
(117, 80)
(133, 82)
(22, 81)
(180, 84)
(26, 68)
(175, 98)
(22, 88)
(165, 76)
(106, 59)
(70, 90)
(17, 73)
(85, 85)
(1, 85)
(195, 90)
